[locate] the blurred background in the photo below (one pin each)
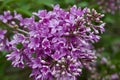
(107, 66)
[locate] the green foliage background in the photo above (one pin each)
(110, 40)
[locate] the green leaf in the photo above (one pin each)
(46, 2)
(6, 2)
(70, 1)
(83, 4)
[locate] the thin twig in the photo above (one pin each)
(17, 28)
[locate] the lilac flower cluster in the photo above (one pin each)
(110, 6)
(57, 45)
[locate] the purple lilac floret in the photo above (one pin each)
(110, 6)
(58, 45)
(2, 39)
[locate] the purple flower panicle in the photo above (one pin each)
(58, 45)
